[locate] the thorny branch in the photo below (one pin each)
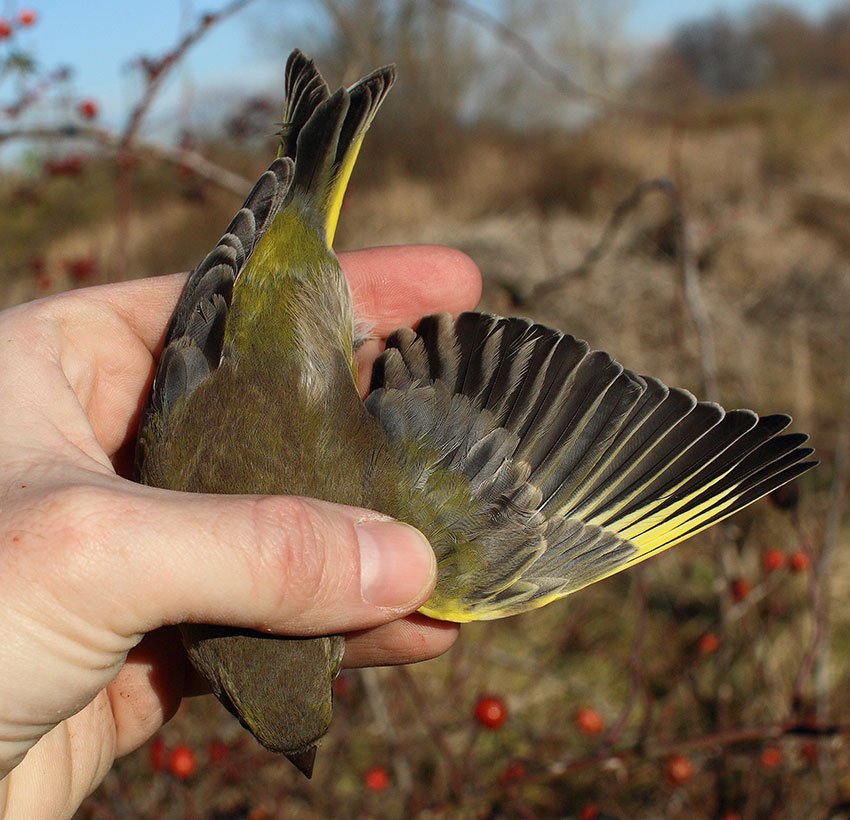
(157, 70)
(740, 735)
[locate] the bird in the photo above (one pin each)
(534, 465)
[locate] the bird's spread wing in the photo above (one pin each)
(194, 340)
(553, 466)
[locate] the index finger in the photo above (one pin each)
(392, 287)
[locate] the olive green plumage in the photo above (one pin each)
(534, 465)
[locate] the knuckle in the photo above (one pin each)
(79, 510)
(70, 523)
(292, 543)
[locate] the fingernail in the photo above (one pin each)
(397, 565)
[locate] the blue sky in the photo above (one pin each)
(100, 37)
(651, 19)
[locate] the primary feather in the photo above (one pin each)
(575, 468)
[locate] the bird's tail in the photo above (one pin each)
(323, 132)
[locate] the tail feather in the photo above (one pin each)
(318, 142)
(323, 133)
(305, 91)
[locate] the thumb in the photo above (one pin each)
(138, 558)
(87, 568)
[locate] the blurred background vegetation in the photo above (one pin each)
(684, 205)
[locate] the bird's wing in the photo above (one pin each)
(545, 466)
(194, 340)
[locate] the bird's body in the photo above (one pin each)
(534, 465)
(291, 412)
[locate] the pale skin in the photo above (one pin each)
(95, 570)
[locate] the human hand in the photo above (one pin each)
(95, 570)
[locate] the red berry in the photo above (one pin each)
(589, 721)
(731, 815)
(342, 687)
(513, 773)
(809, 751)
(27, 17)
(81, 269)
(771, 757)
(218, 751)
(182, 762)
(88, 109)
(491, 712)
(43, 282)
(740, 588)
(377, 779)
(799, 561)
(709, 643)
(678, 769)
(157, 753)
(772, 559)
(590, 811)
(5, 29)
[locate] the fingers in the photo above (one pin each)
(148, 689)
(145, 305)
(134, 558)
(409, 640)
(396, 286)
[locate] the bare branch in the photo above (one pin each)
(157, 70)
(692, 292)
(604, 243)
(200, 165)
(543, 67)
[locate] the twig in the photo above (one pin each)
(450, 760)
(815, 662)
(378, 703)
(28, 97)
(200, 165)
(157, 70)
(691, 290)
(603, 244)
(725, 737)
(689, 277)
(543, 67)
(638, 685)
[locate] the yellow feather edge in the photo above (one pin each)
(338, 188)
